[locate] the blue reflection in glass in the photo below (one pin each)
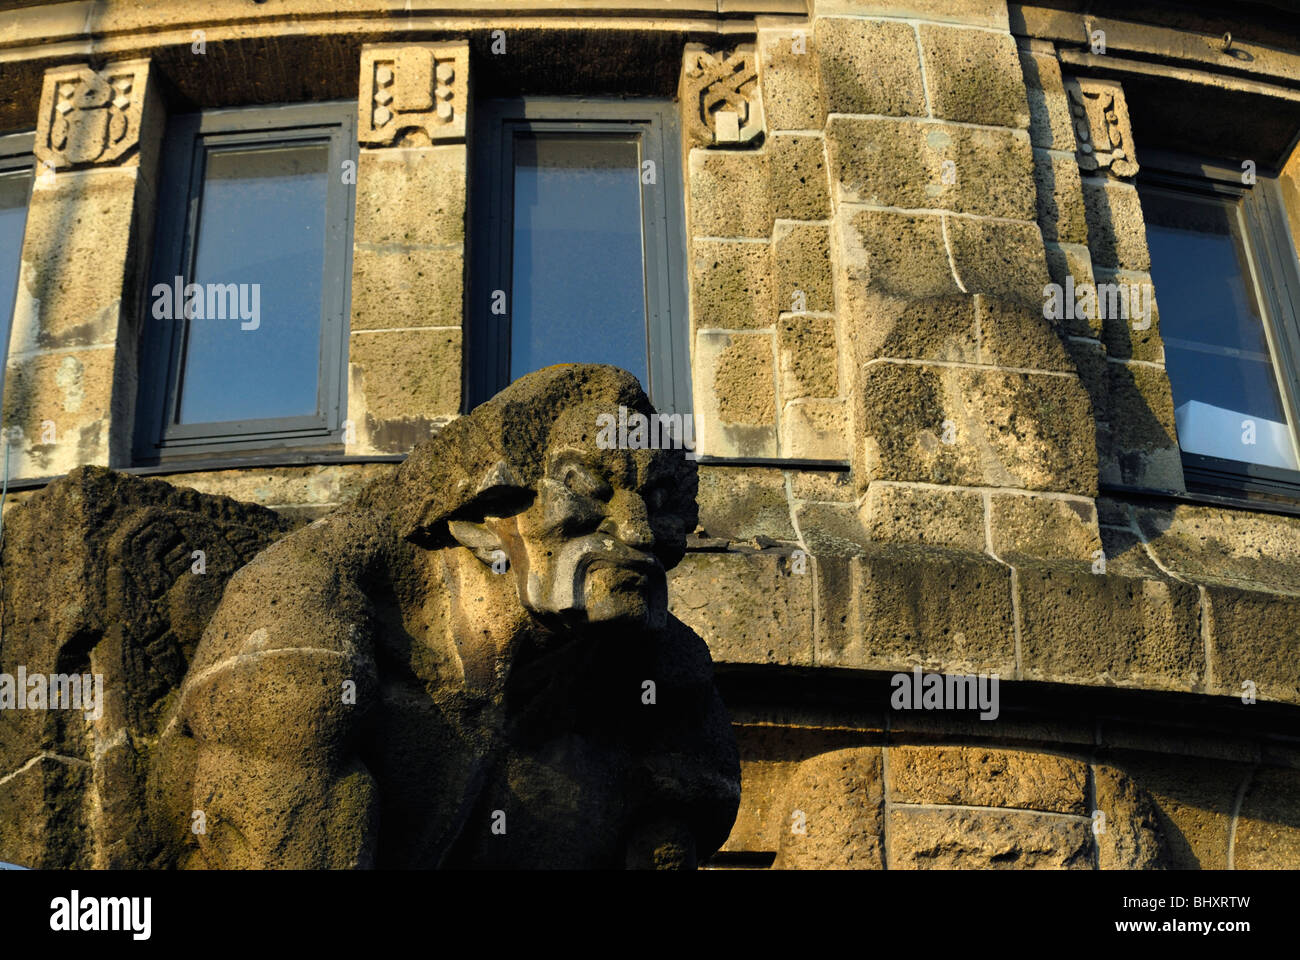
(14, 190)
(579, 278)
(261, 222)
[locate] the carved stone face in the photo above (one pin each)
(603, 528)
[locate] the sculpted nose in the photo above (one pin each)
(630, 522)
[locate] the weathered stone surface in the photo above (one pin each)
(833, 808)
(401, 383)
(407, 286)
(959, 425)
(916, 164)
(1070, 263)
(799, 179)
(413, 93)
(412, 196)
(1013, 335)
(69, 392)
(1060, 197)
(734, 285)
(830, 487)
(1049, 108)
(925, 515)
(830, 528)
(804, 282)
(979, 13)
(1116, 230)
(898, 254)
(1132, 838)
(870, 66)
(984, 777)
(1129, 316)
(1230, 548)
(1252, 640)
(741, 504)
(988, 840)
(807, 356)
(729, 194)
(102, 577)
(1050, 528)
(789, 75)
(999, 258)
(815, 429)
(903, 328)
(749, 608)
(907, 605)
(720, 96)
(735, 395)
(974, 76)
(1143, 434)
(1268, 826)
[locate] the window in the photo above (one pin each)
(15, 192)
(1225, 277)
(578, 246)
(246, 317)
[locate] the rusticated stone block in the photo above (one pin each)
(899, 254)
(799, 179)
(830, 529)
(1132, 838)
(733, 283)
(924, 515)
(1230, 548)
(411, 196)
(915, 164)
(1049, 107)
(903, 328)
(741, 504)
(1083, 627)
(803, 268)
(827, 487)
(61, 404)
(402, 383)
(977, 13)
(988, 777)
(974, 76)
(1130, 320)
(808, 356)
(1268, 827)
(735, 395)
(1116, 230)
(1053, 528)
(407, 286)
(790, 77)
(1143, 434)
(908, 605)
(976, 427)
(834, 813)
(1252, 639)
(1070, 267)
(815, 429)
(729, 194)
(749, 608)
(956, 839)
(1013, 335)
(1060, 197)
(870, 66)
(999, 258)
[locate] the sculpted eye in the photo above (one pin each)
(586, 483)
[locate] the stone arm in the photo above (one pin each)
(276, 702)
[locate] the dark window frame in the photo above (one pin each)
(663, 230)
(1272, 255)
(158, 437)
(17, 155)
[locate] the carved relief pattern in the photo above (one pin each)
(1101, 126)
(722, 98)
(412, 87)
(90, 118)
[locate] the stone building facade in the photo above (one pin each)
(910, 464)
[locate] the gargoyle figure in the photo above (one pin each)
(471, 665)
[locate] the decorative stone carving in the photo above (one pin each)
(470, 664)
(89, 118)
(413, 86)
(720, 96)
(1101, 126)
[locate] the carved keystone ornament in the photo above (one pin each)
(1101, 125)
(720, 96)
(90, 118)
(406, 87)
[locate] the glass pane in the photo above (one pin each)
(1226, 398)
(579, 279)
(14, 189)
(262, 228)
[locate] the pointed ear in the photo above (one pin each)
(477, 536)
